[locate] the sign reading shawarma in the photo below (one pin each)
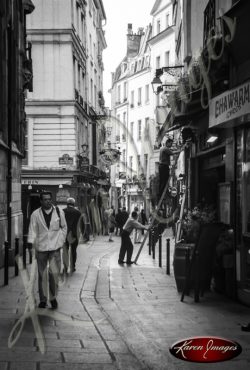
(229, 105)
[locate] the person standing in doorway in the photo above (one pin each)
(47, 232)
(126, 243)
(111, 224)
(72, 216)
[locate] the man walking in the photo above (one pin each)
(47, 232)
(72, 216)
(126, 243)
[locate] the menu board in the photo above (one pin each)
(225, 202)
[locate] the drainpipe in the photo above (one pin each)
(9, 156)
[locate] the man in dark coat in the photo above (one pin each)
(72, 216)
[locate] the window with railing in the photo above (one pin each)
(209, 20)
(132, 130)
(132, 99)
(145, 163)
(139, 130)
(25, 159)
(131, 164)
(139, 96)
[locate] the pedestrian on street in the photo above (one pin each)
(137, 233)
(144, 220)
(111, 224)
(47, 232)
(72, 216)
(126, 243)
(118, 219)
(124, 217)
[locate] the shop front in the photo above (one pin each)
(59, 183)
(230, 113)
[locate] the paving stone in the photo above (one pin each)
(23, 366)
(128, 362)
(87, 358)
(62, 343)
(36, 357)
(79, 366)
(117, 346)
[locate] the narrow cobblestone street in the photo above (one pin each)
(130, 316)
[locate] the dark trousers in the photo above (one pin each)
(73, 250)
(126, 247)
(163, 177)
(54, 259)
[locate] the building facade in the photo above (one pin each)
(210, 109)
(134, 121)
(63, 132)
(15, 78)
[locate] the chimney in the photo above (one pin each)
(130, 29)
(140, 31)
(133, 42)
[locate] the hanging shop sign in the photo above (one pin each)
(230, 105)
(110, 156)
(84, 164)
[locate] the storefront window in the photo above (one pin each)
(246, 179)
(239, 159)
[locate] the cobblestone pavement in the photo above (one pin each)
(117, 317)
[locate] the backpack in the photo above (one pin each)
(58, 214)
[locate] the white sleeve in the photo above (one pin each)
(32, 234)
(137, 225)
(63, 223)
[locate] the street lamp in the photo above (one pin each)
(158, 86)
(84, 148)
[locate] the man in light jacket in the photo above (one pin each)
(47, 232)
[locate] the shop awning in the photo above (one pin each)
(102, 182)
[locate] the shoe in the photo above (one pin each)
(129, 262)
(111, 240)
(54, 304)
(245, 327)
(42, 305)
(121, 262)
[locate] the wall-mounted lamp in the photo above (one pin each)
(85, 148)
(60, 186)
(158, 86)
(212, 139)
(30, 187)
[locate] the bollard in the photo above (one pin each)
(196, 278)
(160, 250)
(149, 241)
(153, 243)
(24, 250)
(168, 257)
(187, 277)
(16, 253)
(6, 263)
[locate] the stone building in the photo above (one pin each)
(63, 132)
(15, 79)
